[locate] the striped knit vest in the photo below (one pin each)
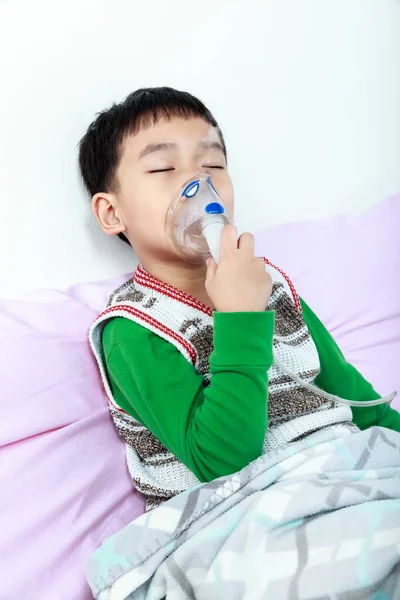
(293, 412)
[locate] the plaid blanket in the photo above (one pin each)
(316, 519)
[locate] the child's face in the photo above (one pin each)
(154, 165)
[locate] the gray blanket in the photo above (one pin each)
(317, 519)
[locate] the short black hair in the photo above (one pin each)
(100, 147)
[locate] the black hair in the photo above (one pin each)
(100, 147)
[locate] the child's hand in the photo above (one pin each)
(239, 283)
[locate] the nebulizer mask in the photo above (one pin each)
(195, 220)
(194, 224)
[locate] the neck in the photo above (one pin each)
(184, 276)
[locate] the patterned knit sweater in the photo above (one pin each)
(293, 411)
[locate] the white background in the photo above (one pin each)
(307, 93)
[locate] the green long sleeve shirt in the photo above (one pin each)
(217, 430)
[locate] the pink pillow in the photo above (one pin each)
(65, 487)
(64, 480)
(348, 270)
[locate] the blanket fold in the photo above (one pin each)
(319, 518)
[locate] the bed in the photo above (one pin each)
(65, 487)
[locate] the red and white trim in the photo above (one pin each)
(162, 329)
(143, 278)
(110, 397)
(295, 296)
(146, 280)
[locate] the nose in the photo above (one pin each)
(191, 173)
(191, 165)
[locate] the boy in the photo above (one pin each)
(186, 352)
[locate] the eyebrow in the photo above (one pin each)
(151, 148)
(156, 148)
(211, 146)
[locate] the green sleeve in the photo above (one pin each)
(340, 378)
(214, 430)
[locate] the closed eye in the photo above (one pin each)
(213, 167)
(161, 170)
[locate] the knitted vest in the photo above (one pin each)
(293, 411)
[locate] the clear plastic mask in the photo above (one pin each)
(195, 220)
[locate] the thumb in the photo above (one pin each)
(211, 268)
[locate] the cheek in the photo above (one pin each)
(225, 190)
(145, 211)
(149, 221)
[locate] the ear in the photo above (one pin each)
(105, 208)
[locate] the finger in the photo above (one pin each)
(228, 240)
(261, 262)
(246, 243)
(211, 269)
